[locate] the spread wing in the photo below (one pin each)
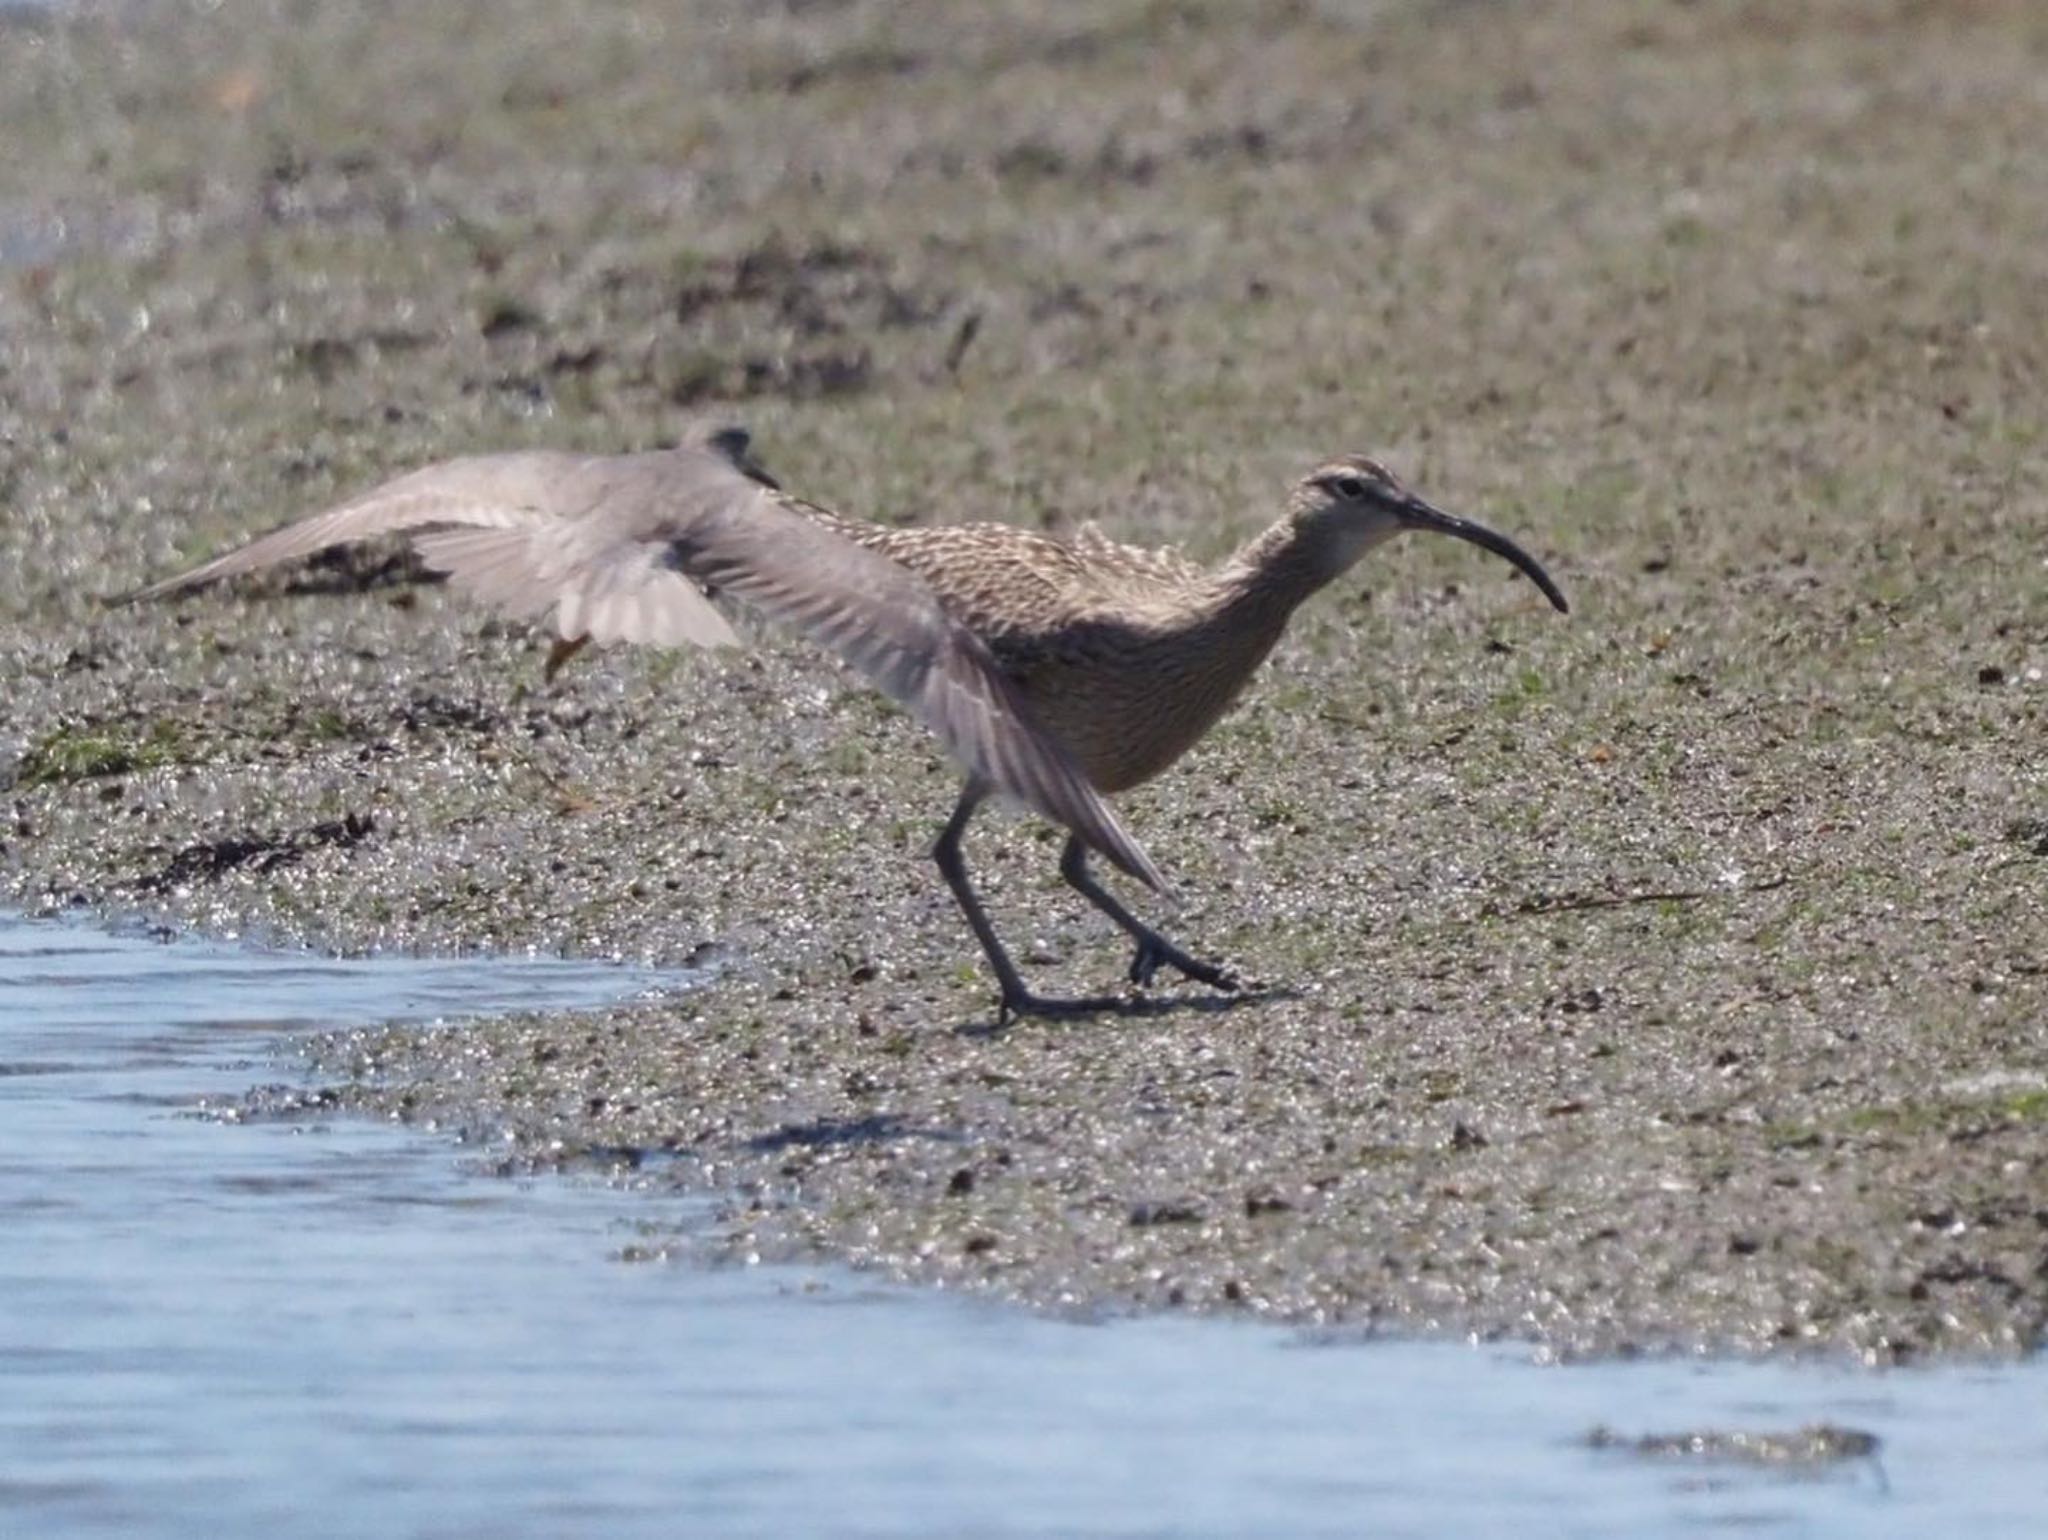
(622, 548)
(510, 529)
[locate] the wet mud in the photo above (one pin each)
(1673, 974)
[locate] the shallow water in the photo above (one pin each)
(330, 1328)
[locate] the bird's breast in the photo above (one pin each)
(1128, 707)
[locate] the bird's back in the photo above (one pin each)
(1021, 590)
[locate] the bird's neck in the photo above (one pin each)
(1277, 569)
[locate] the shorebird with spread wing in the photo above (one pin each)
(1057, 672)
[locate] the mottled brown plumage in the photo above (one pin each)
(1056, 671)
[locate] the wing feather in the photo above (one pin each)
(485, 491)
(622, 547)
(887, 622)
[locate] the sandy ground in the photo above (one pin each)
(1671, 973)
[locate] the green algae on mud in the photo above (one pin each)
(1670, 974)
(65, 754)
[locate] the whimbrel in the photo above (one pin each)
(1057, 672)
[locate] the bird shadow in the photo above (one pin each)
(1132, 1008)
(841, 1133)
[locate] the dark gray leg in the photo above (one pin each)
(1017, 1000)
(1153, 948)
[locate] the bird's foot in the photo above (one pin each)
(1153, 950)
(1022, 1002)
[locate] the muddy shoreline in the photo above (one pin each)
(1673, 975)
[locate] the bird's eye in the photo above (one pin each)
(1348, 486)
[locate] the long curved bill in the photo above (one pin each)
(1417, 514)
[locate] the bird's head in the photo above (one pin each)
(1348, 505)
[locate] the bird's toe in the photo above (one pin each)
(1145, 963)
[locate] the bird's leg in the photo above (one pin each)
(1017, 1000)
(1153, 948)
(953, 867)
(564, 649)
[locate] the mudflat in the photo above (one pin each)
(1675, 973)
